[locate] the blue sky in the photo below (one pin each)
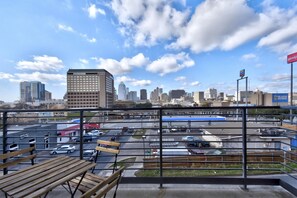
(175, 44)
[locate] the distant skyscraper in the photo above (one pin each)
(199, 96)
(175, 94)
(132, 95)
(156, 94)
(89, 88)
(48, 95)
(32, 91)
(210, 93)
(122, 91)
(143, 94)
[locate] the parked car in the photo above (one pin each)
(90, 154)
(198, 143)
(63, 149)
(86, 138)
(96, 133)
(130, 130)
(124, 129)
(188, 138)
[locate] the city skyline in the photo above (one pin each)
(179, 44)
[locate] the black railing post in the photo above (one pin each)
(244, 147)
(4, 139)
(81, 133)
(161, 147)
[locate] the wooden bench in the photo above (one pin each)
(103, 187)
(91, 180)
(13, 158)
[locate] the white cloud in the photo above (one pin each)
(281, 77)
(141, 83)
(281, 35)
(41, 63)
(226, 27)
(196, 83)
(43, 77)
(92, 10)
(125, 65)
(277, 77)
(180, 78)
(65, 28)
(148, 22)
(133, 81)
(5, 75)
(90, 40)
(71, 30)
(249, 56)
(272, 86)
(170, 63)
(230, 23)
(84, 61)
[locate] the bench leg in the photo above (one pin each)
(76, 188)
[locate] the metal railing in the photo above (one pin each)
(202, 145)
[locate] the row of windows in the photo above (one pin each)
(83, 93)
(91, 96)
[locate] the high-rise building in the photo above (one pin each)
(122, 91)
(132, 96)
(47, 95)
(31, 91)
(198, 96)
(155, 95)
(143, 94)
(211, 93)
(90, 88)
(176, 94)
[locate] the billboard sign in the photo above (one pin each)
(242, 73)
(280, 97)
(292, 58)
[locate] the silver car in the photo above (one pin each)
(63, 149)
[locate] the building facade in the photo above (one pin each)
(155, 95)
(176, 94)
(143, 94)
(259, 98)
(122, 91)
(210, 93)
(132, 96)
(90, 88)
(198, 96)
(31, 91)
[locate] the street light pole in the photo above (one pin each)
(143, 138)
(291, 98)
(242, 76)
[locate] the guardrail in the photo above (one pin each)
(213, 145)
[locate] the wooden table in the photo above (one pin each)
(40, 179)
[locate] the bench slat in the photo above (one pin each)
(16, 153)
(17, 161)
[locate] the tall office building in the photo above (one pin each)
(122, 91)
(132, 96)
(143, 94)
(47, 95)
(176, 94)
(211, 93)
(90, 88)
(31, 91)
(156, 94)
(199, 96)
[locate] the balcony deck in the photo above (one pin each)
(252, 147)
(189, 191)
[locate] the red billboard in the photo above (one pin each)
(292, 58)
